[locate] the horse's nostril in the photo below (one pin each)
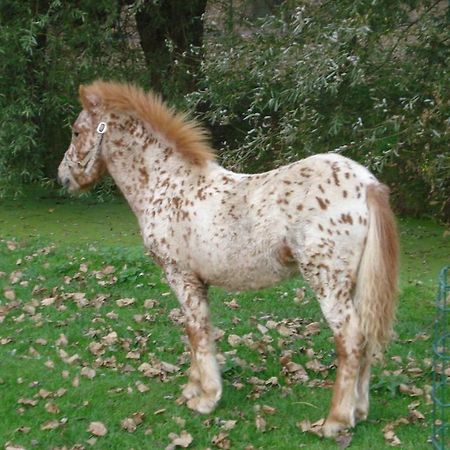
(64, 182)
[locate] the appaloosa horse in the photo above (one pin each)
(325, 217)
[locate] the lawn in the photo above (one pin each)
(92, 352)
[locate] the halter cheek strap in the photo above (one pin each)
(88, 161)
(93, 155)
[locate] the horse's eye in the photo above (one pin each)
(75, 133)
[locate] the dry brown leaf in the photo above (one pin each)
(9, 294)
(141, 387)
(61, 341)
(11, 245)
(15, 276)
(168, 367)
(232, 304)
(97, 429)
(110, 338)
(122, 302)
(184, 440)
(11, 446)
(131, 423)
(234, 340)
(52, 408)
(88, 372)
(312, 328)
(149, 371)
(228, 425)
(391, 438)
(96, 348)
(221, 441)
(284, 331)
(27, 402)
(133, 355)
(413, 391)
(315, 428)
(262, 329)
(50, 425)
(128, 424)
(260, 423)
(150, 303)
(268, 409)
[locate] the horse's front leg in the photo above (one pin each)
(204, 387)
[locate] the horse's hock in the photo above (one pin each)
(441, 366)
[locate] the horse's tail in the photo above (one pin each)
(376, 287)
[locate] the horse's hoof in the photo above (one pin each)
(360, 415)
(202, 404)
(331, 428)
(191, 390)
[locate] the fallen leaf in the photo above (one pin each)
(268, 409)
(131, 423)
(141, 387)
(9, 294)
(232, 304)
(50, 425)
(234, 340)
(110, 338)
(315, 428)
(184, 440)
(228, 425)
(97, 429)
(51, 408)
(221, 441)
(312, 328)
(122, 302)
(88, 372)
(11, 446)
(96, 348)
(150, 303)
(260, 423)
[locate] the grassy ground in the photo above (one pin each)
(72, 346)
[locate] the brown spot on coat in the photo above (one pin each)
(322, 203)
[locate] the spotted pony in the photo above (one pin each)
(325, 217)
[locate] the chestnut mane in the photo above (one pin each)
(189, 138)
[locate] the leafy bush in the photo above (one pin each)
(47, 48)
(366, 79)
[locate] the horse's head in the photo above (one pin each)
(83, 163)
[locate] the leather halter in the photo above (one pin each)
(88, 161)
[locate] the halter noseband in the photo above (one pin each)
(88, 161)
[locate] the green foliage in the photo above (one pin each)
(48, 48)
(366, 79)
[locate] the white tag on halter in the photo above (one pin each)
(101, 127)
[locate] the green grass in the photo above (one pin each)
(80, 238)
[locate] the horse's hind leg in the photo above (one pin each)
(362, 401)
(333, 289)
(204, 387)
(349, 342)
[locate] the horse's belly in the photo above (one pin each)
(246, 274)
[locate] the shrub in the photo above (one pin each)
(366, 79)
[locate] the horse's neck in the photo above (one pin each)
(145, 167)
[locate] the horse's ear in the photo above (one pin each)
(89, 99)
